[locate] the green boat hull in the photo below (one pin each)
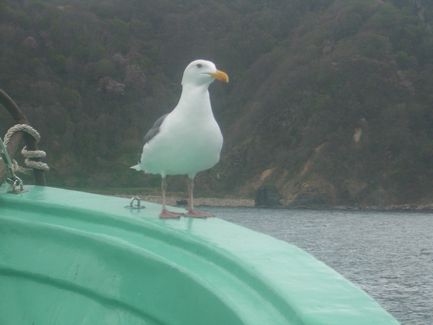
(69, 257)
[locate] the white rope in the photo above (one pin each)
(21, 128)
(27, 154)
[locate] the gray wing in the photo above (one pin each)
(154, 130)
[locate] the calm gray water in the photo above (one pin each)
(388, 254)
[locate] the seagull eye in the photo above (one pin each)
(199, 65)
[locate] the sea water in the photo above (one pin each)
(387, 254)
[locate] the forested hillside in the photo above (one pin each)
(330, 101)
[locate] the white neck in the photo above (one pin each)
(195, 101)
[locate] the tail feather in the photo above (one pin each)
(136, 167)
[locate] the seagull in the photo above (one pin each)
(187, 140)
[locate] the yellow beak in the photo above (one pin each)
(220, 75)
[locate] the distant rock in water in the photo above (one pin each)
(267, 197)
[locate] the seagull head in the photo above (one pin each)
(202, 73)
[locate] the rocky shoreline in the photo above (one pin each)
(178, 199)
(204, 201)
(250, 203)
(175, 198)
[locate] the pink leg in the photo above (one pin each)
(191, 211)
(165, 214)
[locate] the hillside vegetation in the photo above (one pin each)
(330, 101)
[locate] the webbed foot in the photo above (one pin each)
(165, 214)
(198, 214)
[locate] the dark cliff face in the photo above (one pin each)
(339, 116)
(330, 102)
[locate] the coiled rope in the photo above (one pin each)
(27, 154)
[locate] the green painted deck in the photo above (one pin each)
(70, 257)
